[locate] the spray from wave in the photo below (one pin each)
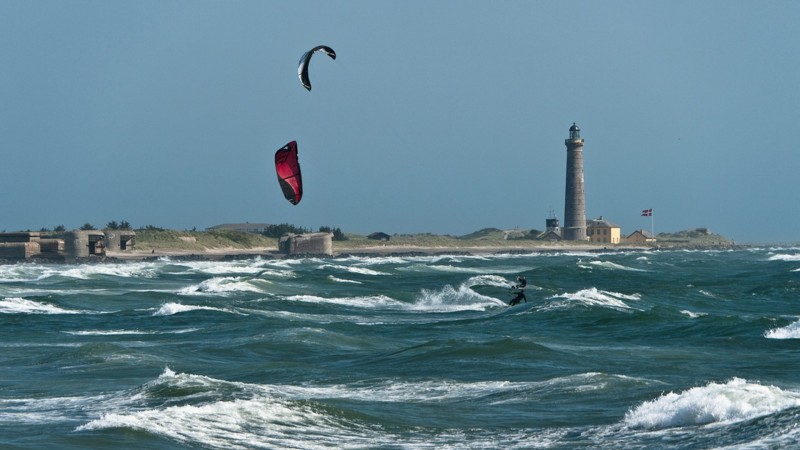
(791, 331)
(594, 297)
(225, 286)
(734, 401)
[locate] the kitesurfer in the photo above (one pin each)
(520, 297)
(521, 283)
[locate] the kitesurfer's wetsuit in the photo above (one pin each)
(520, 297)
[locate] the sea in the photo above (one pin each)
(621, 349)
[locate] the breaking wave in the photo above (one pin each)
(225, 286)
(791, 331)
(734, 401)
(784, 257)
(212, 413)
(354, 269)
(170, 309)
(608, 265)
(595, 297)
(16, 305)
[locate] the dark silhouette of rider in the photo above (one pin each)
(520, 297)
(521, 283)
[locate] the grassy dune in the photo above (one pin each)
(198, 241)
(147, 240)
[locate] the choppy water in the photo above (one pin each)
(669, 349)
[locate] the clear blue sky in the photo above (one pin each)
(436, 116)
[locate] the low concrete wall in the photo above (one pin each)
(20, 236)
(311, 243)
(51, 245)
(19, 250)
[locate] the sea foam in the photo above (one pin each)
(608, 265)
(354, 269)
(784, 257)
(170, 309)
(596, 297)
(16, 305)
(734, 401)
(371, 302)
(791, 331)
(225, 286)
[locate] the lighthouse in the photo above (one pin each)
(574, 228)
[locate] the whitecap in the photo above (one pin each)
(262, 415)
(450, 299)
(224, 286)
(791, 331)
(45, 411)
(435, 391)
(276, 273)
(170, 309)
(225, 267)
(129, 270)
(271, 415)
(127, 332)
(488, 280)
(707, 294)
(613, 266)
(342, 280)
(16, 305)
(734, 401)
(446, 299)
(784, 257)
(353, 269)
(108, 332)
(24, 272)
(595, 297)
(692, 315)
(459, 269)
(371, 302)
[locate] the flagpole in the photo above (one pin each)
(652, 228)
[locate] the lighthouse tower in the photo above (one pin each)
(574, 228)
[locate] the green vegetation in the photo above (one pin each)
(495, 234)
(276, 231)
(489, 237)
(698, 237)
(151, 228)
(113, 225)
(338, 235)
(154, 238)
(486, 233)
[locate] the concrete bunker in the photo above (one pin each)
(24, 245)
(84, 243)
(121, 240)
(20, 245)
(309, 243)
